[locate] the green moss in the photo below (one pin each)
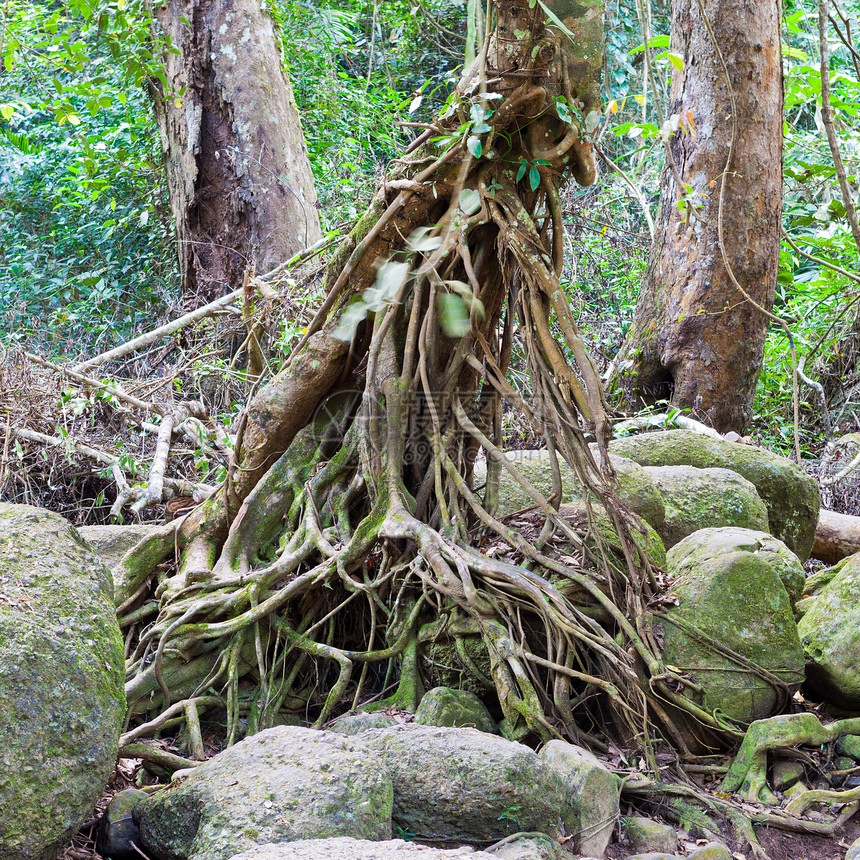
(791, 496)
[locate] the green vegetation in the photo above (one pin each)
(86, 234)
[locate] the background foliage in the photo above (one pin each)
(86, 238)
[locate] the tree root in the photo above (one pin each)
(748, 773)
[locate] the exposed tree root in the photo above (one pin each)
(748, 773)
(350, 537)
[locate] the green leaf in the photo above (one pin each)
(534, 178)
(656, 42)
(522, 171)
(453, 316)
(421, 240)
(554, 19)
(563, 110)
(473, 144)
(676, 60)
(470, 201)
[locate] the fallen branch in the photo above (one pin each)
(155, 482)
(665, 420)
(200, 313)
(180, 487)
(162, 331)
(836, 536)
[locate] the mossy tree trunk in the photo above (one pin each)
(696, 341)
(240, 182)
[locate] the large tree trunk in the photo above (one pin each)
(696, 340)
(240, 182)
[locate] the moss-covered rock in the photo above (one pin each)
(647, 540)
(645, 835)
(709, 543)
(705, 498)
(354, 724)
(849, 746)
(830, 634)
(443, 706)
(529, 846)
(464, 784)
(595, 792)
(111, 543)
(61, 682)
(346, 848)
(281, 785)
(791, 496)
(635, 488)
(730, 602)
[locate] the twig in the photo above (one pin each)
(637, 193)
(820, 260)
(5, 459)
(144, 405)
(178, 486)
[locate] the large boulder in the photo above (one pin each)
(110, 543)
(710, 543)
(281, 785)
(830, 634)
(61, 682)
(635, 488)
(791, 496)
(729, 601)
(466, 784)
(705, 498)
(347, 848)
(595, 790)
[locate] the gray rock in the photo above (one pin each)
(645, 835)
(736, 600)
(853, 852)
(711, 851)
(117, 828)
(346, 848)
(531, 846)
(654, 855)
(786, 773)
(714, 542)
(705, 498)
(469, 785)
(111, 543)
(353, 724)
(849, 745)
(61, 682)
(791, 496)
(281, 785)
(443, 706)
(635, 488)
(594, 790)
(830, 633)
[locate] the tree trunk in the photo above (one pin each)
(696, 341)
(240, 182)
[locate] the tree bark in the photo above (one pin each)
(240, 182)
(696, 341)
